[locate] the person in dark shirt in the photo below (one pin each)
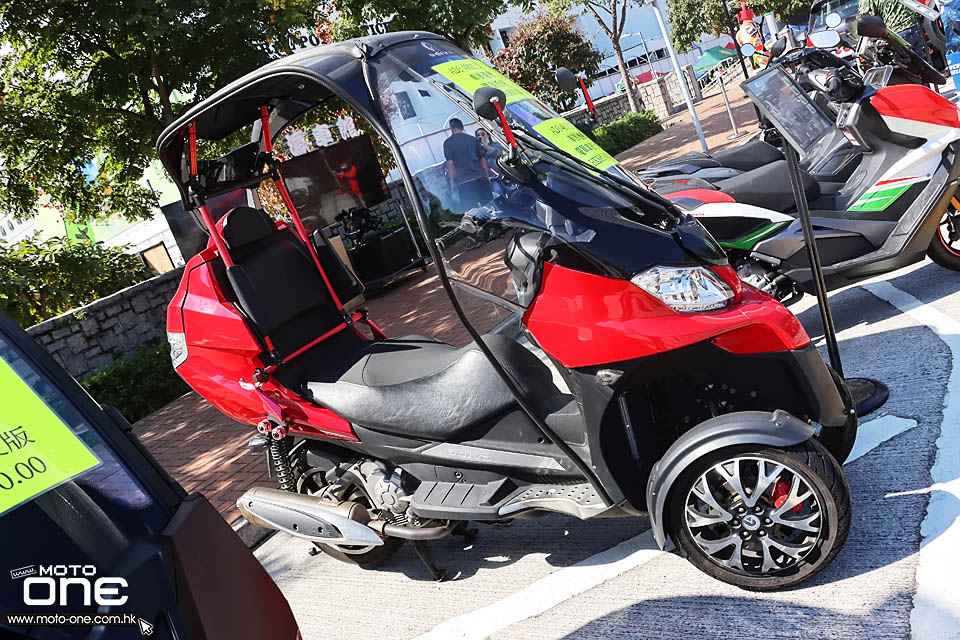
(467, 170)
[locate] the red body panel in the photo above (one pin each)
(915, 102)
(701, 195)
(582, 319)
(222, 352)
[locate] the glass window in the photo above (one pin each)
(477, 206)
(88, 519)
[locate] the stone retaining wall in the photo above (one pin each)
(662, 95)
(89, 338)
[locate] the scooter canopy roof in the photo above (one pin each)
(289, 86)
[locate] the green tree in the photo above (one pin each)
(466, 23)
(549, 41)
(93, 82)
(44, 279)
(611, 15)
(689, 19)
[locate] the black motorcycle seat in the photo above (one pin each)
(768, 187)
(694, 158)
(748, 156)
(422, 388)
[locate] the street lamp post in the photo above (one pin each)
(676, 69)
(646, 52)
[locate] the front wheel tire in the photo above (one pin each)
(761, 518)
(945, 247)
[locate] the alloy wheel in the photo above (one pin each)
(753, 515)
(949, 230)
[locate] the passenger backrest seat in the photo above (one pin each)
(276, 281)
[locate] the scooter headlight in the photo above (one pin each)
(178, 348)
(685, 288)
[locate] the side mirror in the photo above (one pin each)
(778, 48)
(866, 26)
(833, 20)
(825, 39)
(747, 49)
(483, 102)
(567, 80)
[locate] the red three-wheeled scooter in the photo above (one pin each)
(624, 368)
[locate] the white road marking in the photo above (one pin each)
(561, 585)
(872, 434)
(549, 591)
(935, 604)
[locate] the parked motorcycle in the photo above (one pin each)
(637, 374)
(897, 205)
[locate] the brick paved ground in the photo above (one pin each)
(680, 137)
(206, 451)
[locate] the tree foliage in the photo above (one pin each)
(689, 19)
(93, 82)
(466, 23)
(44, 279)
(541, 45)
(611, 15)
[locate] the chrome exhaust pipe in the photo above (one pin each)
(308, 517)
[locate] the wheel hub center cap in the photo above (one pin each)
(751, 523)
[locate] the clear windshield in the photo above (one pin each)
(565, 195)
(845, 9)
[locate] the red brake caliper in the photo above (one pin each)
(780, 492)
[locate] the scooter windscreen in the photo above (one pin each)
(497, 213)
(789, 108)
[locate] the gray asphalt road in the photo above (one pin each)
(867, 591)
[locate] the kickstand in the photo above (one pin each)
(423, 552)
(468, 535)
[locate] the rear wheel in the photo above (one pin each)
(362, 555)
(367, 555)
(761, 518)
(945, 247)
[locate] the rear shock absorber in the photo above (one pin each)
(279, 451)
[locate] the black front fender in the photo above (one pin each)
(777, 429)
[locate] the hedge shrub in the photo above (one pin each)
(137, 384)
(633, 128)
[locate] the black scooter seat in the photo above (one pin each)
(749, 156)
(422, 388)
(768, 187)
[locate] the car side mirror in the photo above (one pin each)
(866, 26)
(567, 80)
(484, 99)
(825, 39)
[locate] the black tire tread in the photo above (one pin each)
(813, 455)
(941, 255)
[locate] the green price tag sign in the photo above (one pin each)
(575, 142)
(38, 451)
(470, 75)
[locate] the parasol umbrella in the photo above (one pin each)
(712, 57)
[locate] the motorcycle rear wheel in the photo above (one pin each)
(758, 542)
(364, 556)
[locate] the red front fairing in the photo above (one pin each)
(222, 352)
(584, 320)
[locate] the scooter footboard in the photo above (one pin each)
(760, 428)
